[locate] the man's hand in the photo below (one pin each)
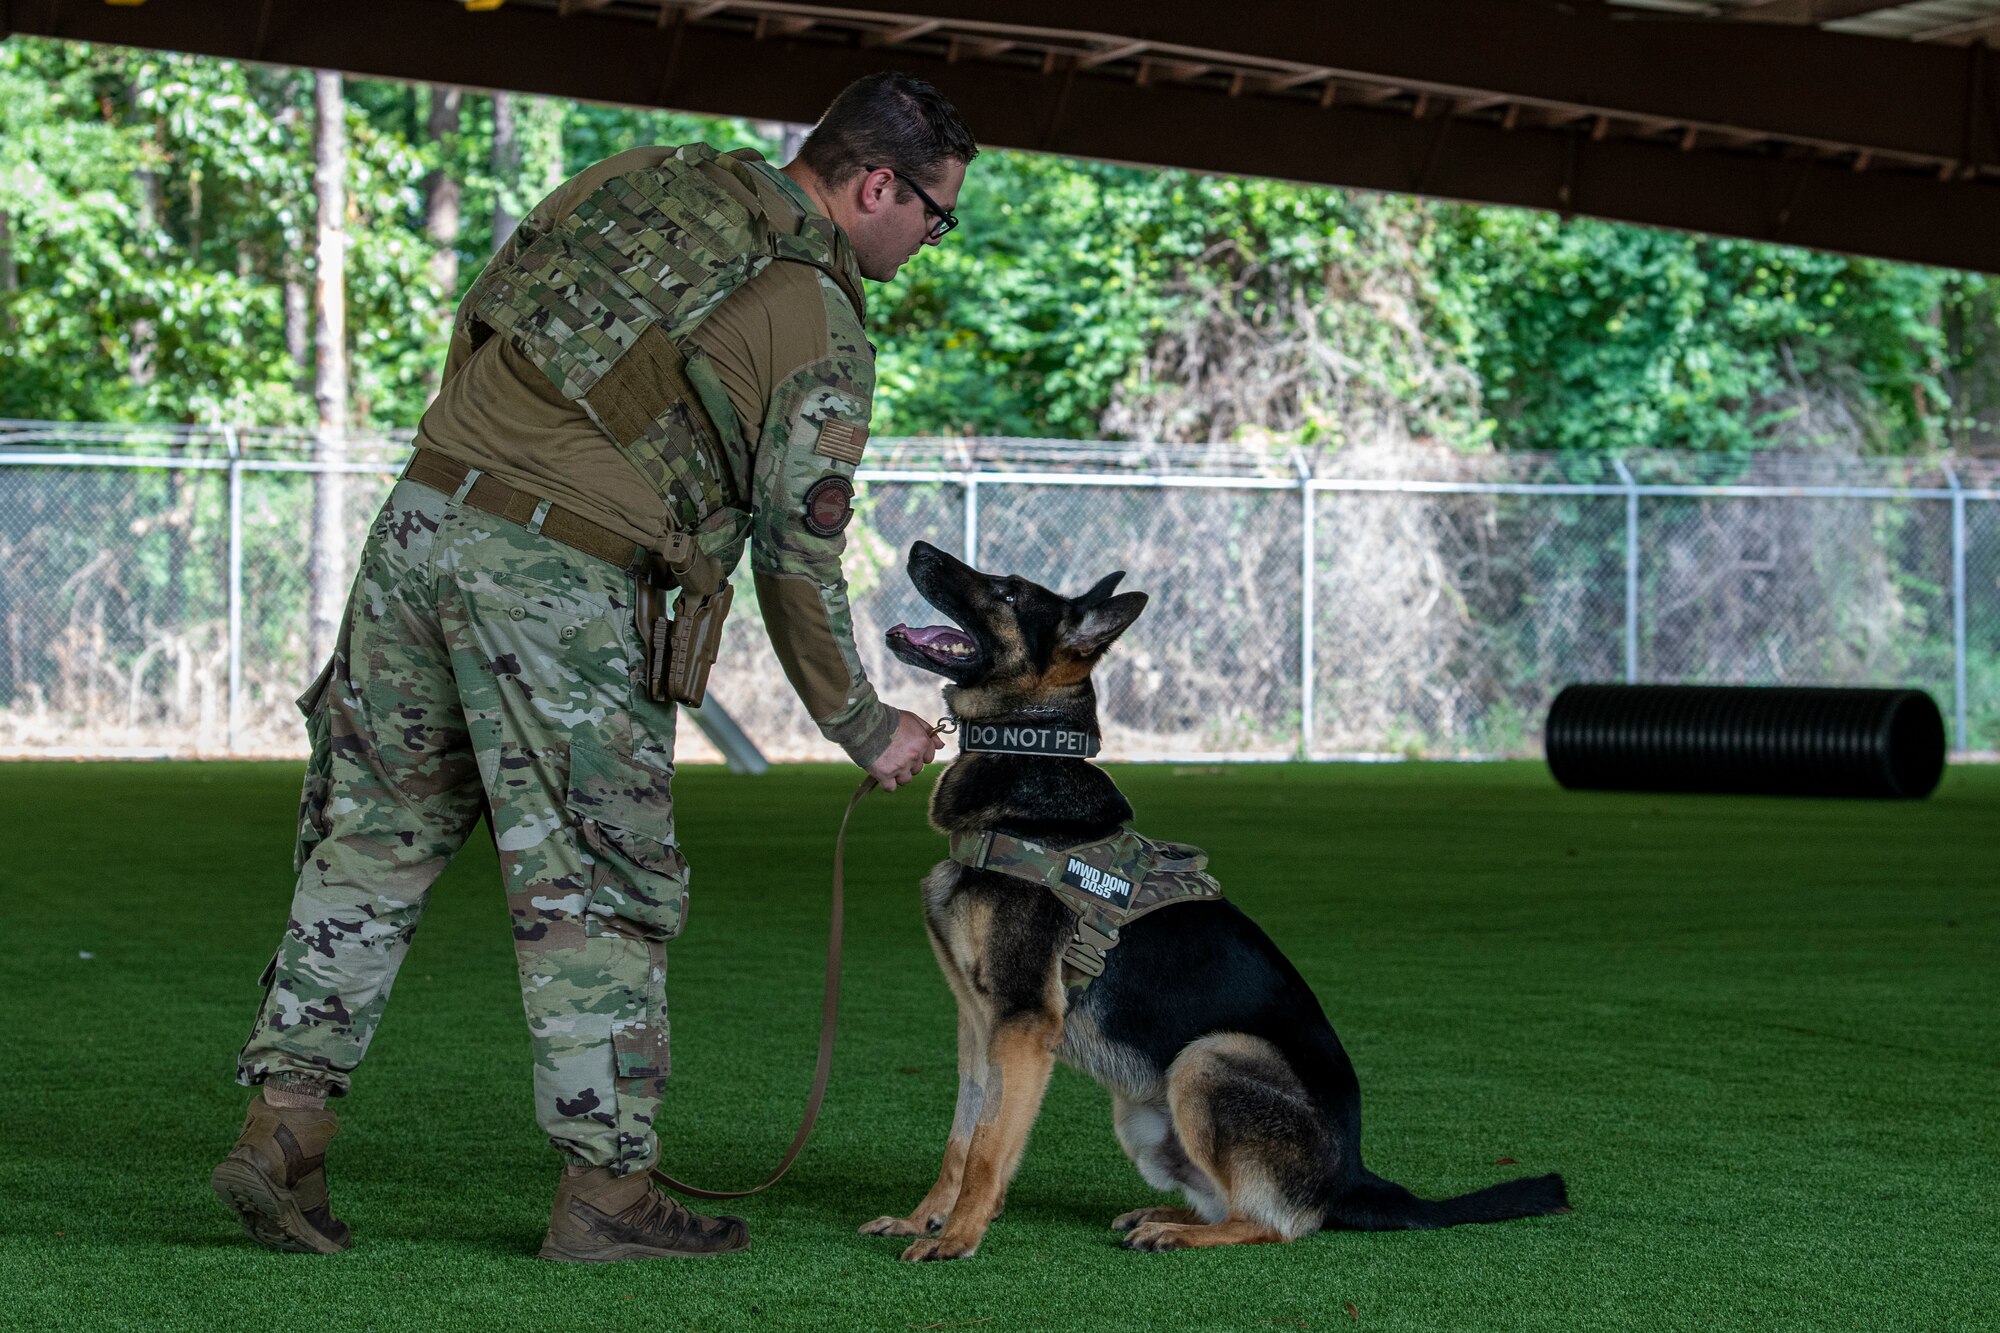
(909, 750)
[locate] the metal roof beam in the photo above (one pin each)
(1762, 79)
(1971, 27)
(1105, 55)
(1800, 200)
(1833, 90)
(908, 32)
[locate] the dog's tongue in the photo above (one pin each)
(934, 636)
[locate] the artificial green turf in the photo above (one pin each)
(1758, 1036)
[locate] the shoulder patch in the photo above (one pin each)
(842, 441)
(829, 505)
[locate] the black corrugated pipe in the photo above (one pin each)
(1781, 740)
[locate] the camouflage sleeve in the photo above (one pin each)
(802, 487)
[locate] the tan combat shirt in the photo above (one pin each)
(499, 413)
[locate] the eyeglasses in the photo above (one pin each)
(945, 221)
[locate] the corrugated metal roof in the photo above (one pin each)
(1923, 21)
(1926, 21)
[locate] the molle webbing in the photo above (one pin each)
(1109, 883)
(627, 399)
(604, 303)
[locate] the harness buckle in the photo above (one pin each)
(1084, 959)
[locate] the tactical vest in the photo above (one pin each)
(1109, 883)
(604, 305)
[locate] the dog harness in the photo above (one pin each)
(1109, 883)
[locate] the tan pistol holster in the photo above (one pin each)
(681, 635)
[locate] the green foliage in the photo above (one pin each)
(1970, 317)
(64, 232)
(1043, 310)
(157, 205)
(1592, 335)
(1029, 314)
(397, 319)
(1040, 315)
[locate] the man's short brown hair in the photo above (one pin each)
(887, 120)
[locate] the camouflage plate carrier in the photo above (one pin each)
(1109, 883)
(605, 303)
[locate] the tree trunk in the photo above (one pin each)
(443, 193)
(142, 354)
(506, 169)
(142, 351)
(298, 325)
(15, 670)
(10, 275)
(1978, 397)
(327, 565)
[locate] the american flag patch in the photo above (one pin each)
(842, 440)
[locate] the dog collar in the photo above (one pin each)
(1025, 738)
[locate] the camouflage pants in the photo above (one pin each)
(481, 663)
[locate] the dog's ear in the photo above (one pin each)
(1094, 630)
(1100, 592)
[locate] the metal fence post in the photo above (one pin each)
(1957, 610)
(1307, 541)
(970, 482)
(235, 584)
(1631, 570)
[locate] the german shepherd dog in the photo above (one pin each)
(1227, 1082)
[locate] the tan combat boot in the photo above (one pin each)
(275, 1179)
(600, 1218)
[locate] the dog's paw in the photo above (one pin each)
(1140, 1216)
(901, 1226)
(924, 1251)
(1157, 1236)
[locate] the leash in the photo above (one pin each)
(829, 1009)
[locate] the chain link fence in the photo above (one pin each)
(155, 585)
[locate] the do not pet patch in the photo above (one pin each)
(829, 504)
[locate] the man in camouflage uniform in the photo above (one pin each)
(665, 361)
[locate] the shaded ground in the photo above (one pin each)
(1758, 1036)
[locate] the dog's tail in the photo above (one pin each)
(1371, 1203)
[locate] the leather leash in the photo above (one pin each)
(829, 1010)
